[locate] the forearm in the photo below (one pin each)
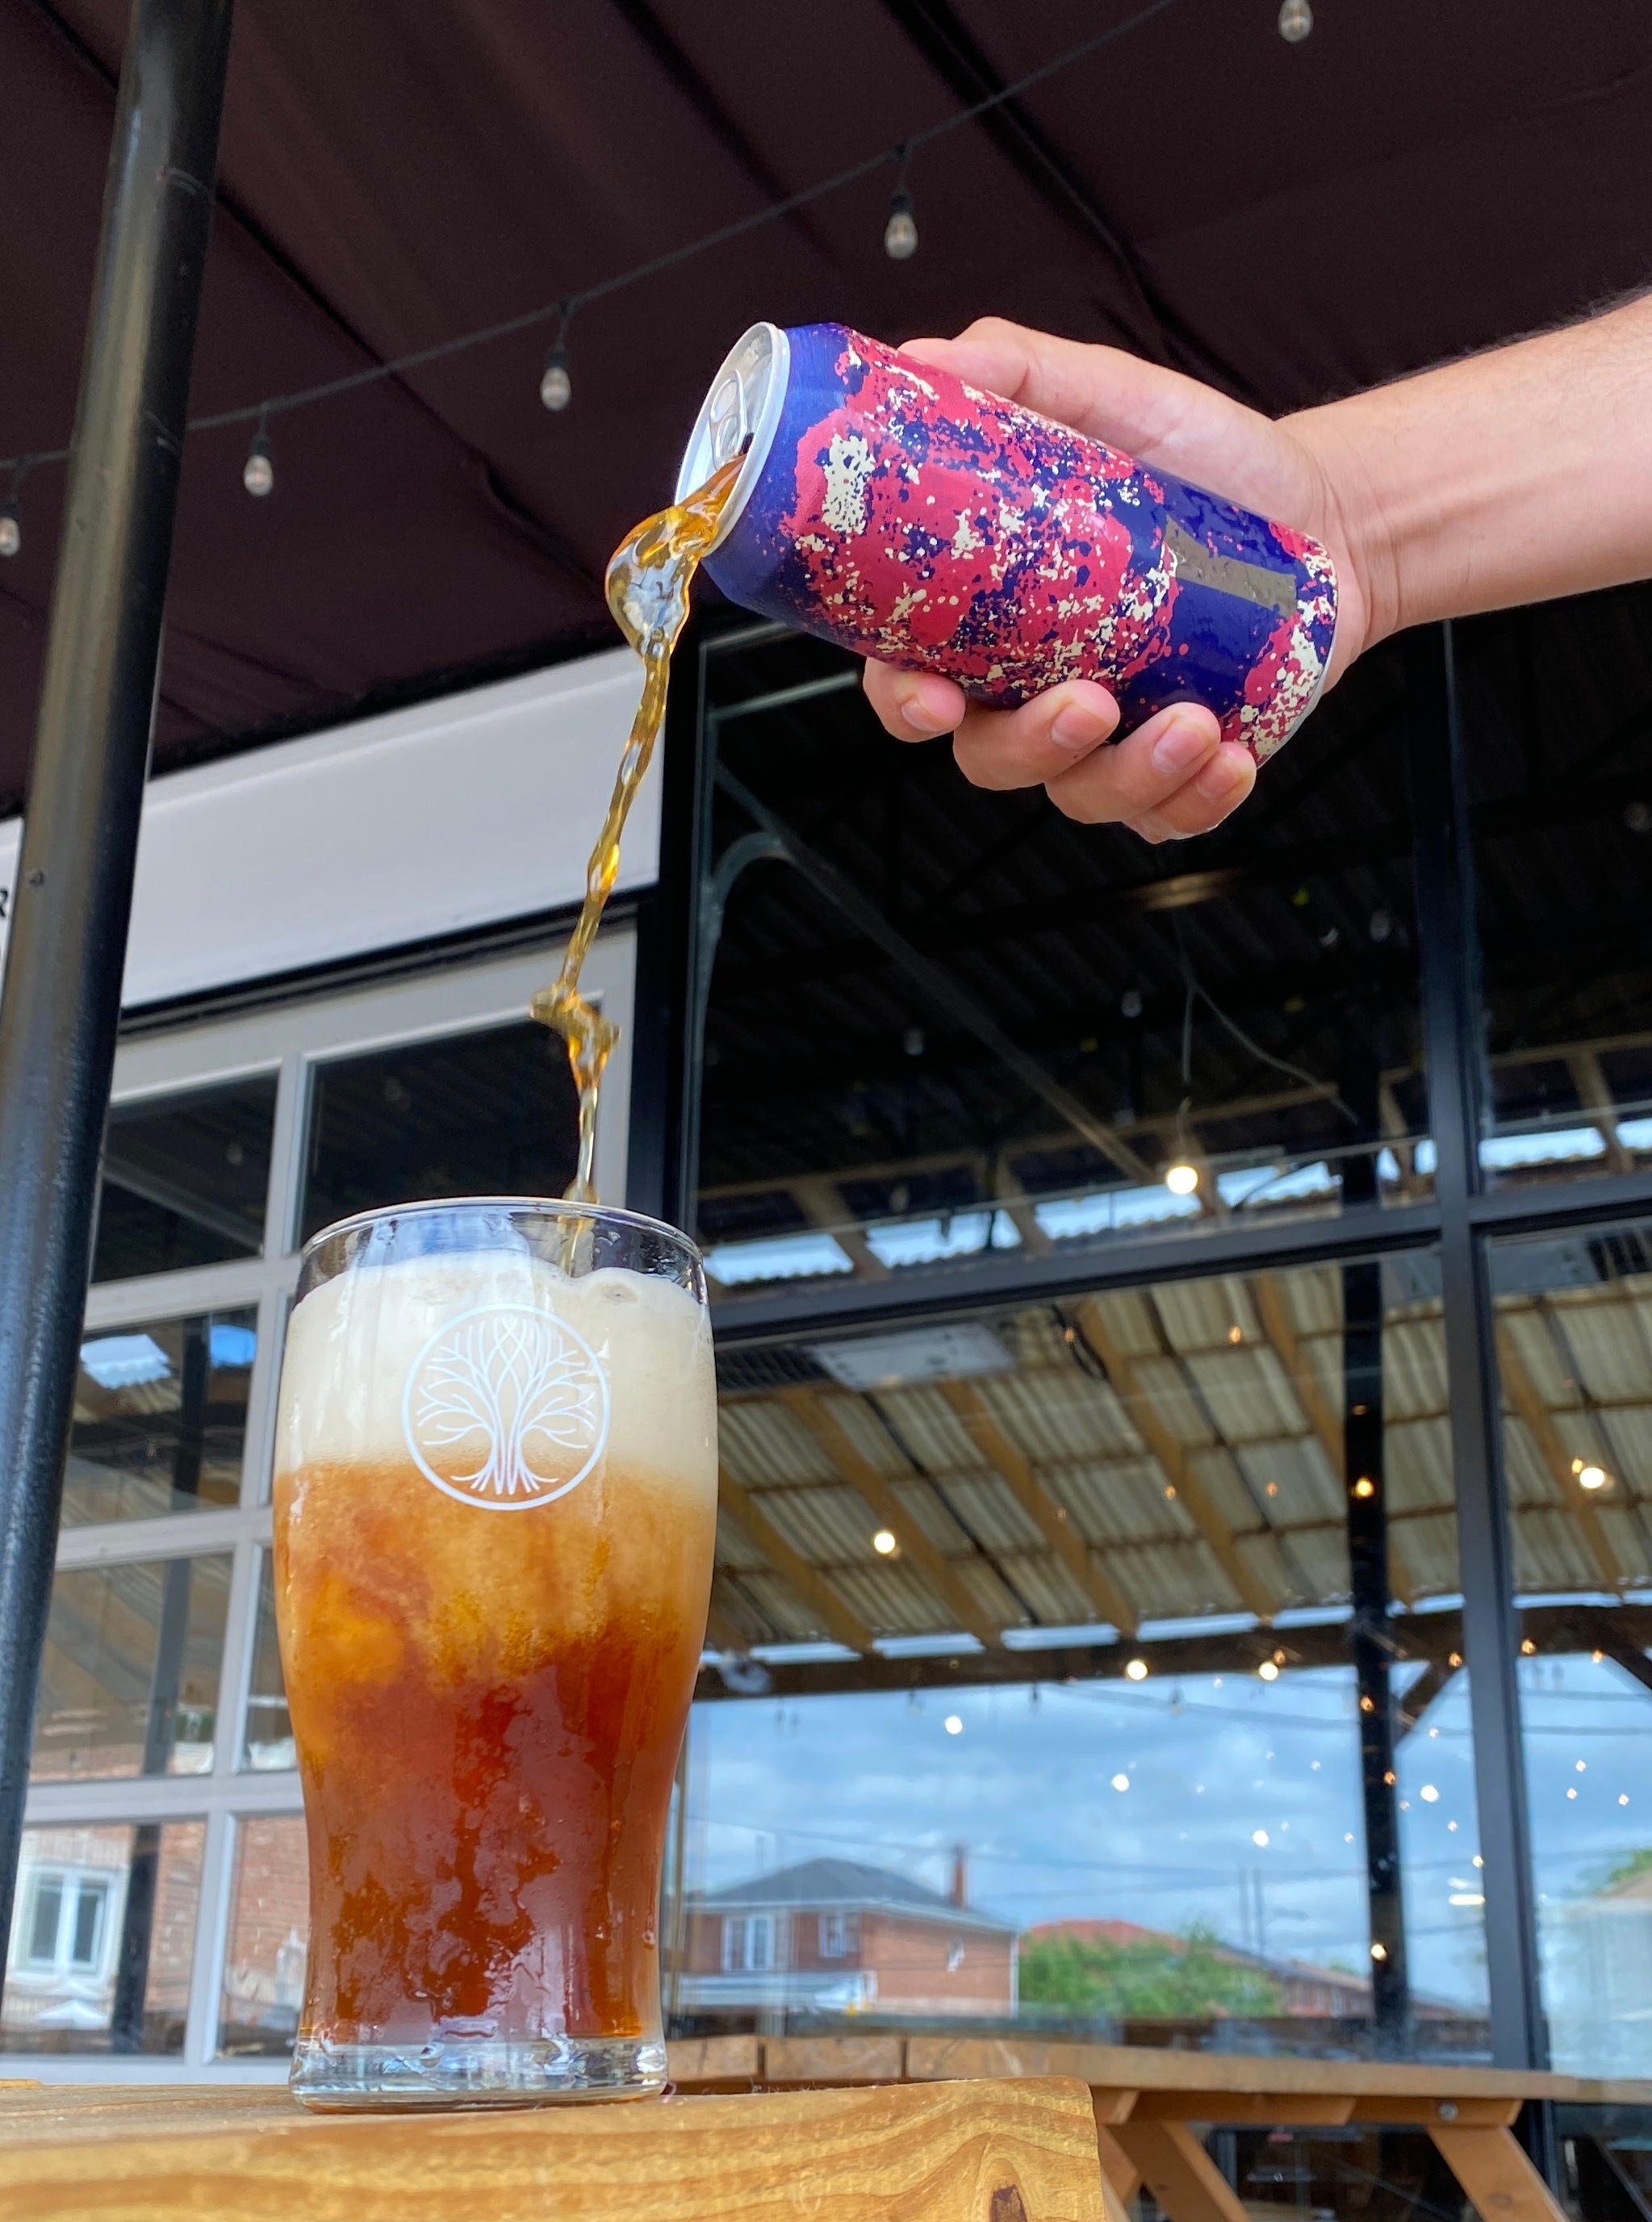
(1510, 477)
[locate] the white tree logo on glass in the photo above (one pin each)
(507, 1408)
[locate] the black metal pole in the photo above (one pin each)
(1451, 1023)
(62, 990)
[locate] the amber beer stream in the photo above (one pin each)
(495, 1499)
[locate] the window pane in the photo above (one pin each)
(160, 1418)
(1158, 1722)
(1560, 764)
(114, 1975)
(1575, 1344)
(477, 1114)
(269, 1923)
(130, 1679)
(185, 1180)
(267, 1745)
(1244, 1007)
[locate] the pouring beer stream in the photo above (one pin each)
(648, 582)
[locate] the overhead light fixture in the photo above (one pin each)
(1136, 1669)
(1365, 1486)
(1182, 1179)
(1592, 1477)
(1268, 1671)
(884, 1543)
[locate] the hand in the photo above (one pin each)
(1173, 776)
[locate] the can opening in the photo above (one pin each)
(738, 417)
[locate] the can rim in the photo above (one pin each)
(760, 363)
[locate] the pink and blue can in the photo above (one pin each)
(888, 506)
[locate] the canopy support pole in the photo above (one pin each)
(73, 901)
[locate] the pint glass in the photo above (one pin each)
(495, 1498)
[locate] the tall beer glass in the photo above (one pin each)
(495, 1497)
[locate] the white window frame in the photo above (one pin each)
(289, 1039)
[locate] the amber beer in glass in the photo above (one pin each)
(495, 1497)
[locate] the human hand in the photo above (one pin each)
(1173, 776)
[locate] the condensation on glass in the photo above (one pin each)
(486, 1114)
(1190, 1049)
(268, 1936)
(159, 1420)
(1574, 1355)
(1123, 1691)
(185, 1179)
(129, 1675)
(103, 1938)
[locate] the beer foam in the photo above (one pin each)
(354, 1344)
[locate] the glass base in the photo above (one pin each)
(476, 2072)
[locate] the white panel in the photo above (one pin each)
(460, 812)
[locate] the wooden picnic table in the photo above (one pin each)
(772, 2129)
(1151, 2104)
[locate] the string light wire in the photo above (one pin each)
(656, 266)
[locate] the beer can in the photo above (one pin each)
(889, 506)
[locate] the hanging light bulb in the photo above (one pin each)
(258, 472)
(901, 232)
(11, 529)
(1182, 1179)
(1295, 21)
(557, 379)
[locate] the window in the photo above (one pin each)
(951, 1028)
(839, 1934)
(161, 1908)
(748, 1944)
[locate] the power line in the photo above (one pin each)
(561, 309)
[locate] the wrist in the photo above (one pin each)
(1351, 522)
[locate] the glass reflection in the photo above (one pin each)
(103, 1939)
(1096, 1665)
(942, 1023)
(159, 1417)
(267, 1743)
(269, 1926)
(1575, 1352)
(129, 1676)
(185, 1179)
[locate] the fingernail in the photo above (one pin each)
(919, 720)
(1074, 726)
(1219, 777)
(1181, 747)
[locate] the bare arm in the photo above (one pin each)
(1510, 477)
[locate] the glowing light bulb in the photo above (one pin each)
(258, 472)
(901, 232)
(1259, 1836)
(1235, 1334)
(1429, 1794)
(1379, 1951)
(1295, 21)
(952, 1725)
(1268, 1671)
(1182, 1180)
(884, 1543)
(1365, 1486)
(1136, 1669)
(1591, 1477)
(1120, 1782)
(11, 529)
(556, 379)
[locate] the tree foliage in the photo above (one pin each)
(1185, 1976)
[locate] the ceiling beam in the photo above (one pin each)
(1273, 1315)
(1049, 1517)
(821, 1203)
(807, 1405)
(1175, 1462)
(830, 1611)
(1421, 1695)
(1523, 1394)
(1633, 1660)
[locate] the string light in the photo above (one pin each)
(557, 379)
(1182, 1179)
(656, 266)
(1136, 1669)
(258, 472)
(1295, 21)
(1591, 1477)
(1268, 1671)
(901, 232)
(1365, 1486)
(883, 1543)
(11, 529)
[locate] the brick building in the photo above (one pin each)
(840, 1936)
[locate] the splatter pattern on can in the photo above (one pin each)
(913, 518)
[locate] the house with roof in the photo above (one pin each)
(832, 1936)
